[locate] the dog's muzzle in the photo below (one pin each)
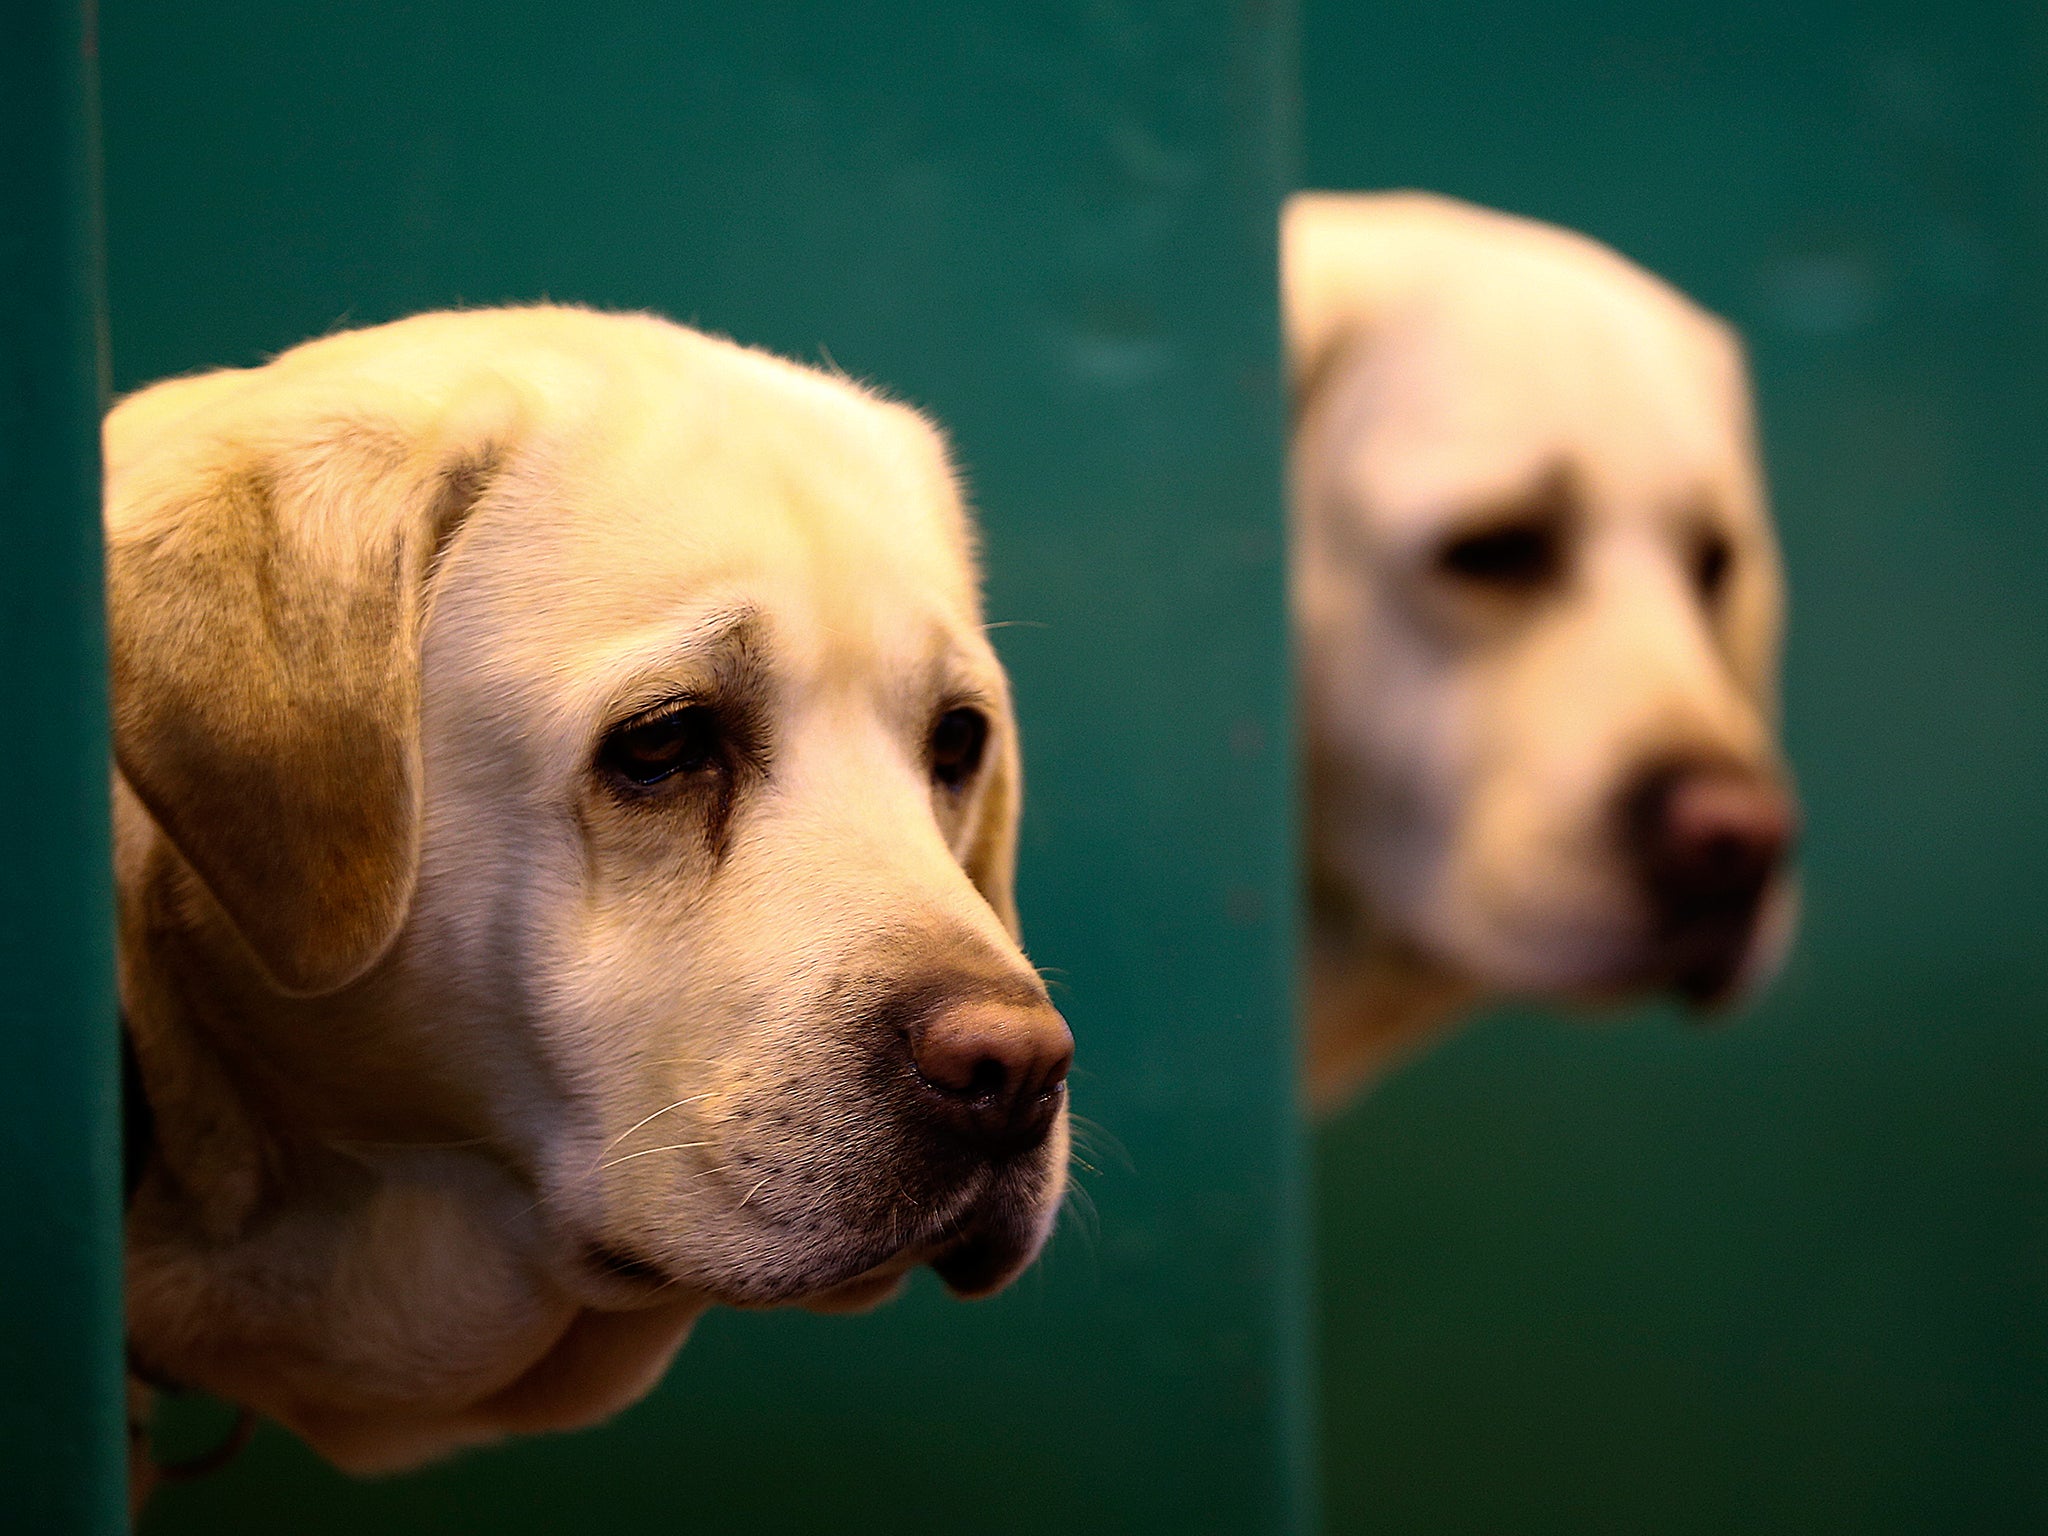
(988, 1084)
(1706, 841)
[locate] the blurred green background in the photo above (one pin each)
(1053, 225)
(1785, 1277)
(1791, 1276)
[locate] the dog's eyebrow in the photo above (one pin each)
(737, 659)
(723, 653)
(955, 683)
(949, 682)
(1552, 492)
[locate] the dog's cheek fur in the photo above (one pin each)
(732, 1009)
(788, 1151)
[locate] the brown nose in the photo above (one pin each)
(994, 1074)
(1705, 840)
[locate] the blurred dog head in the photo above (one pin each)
(569, 812)
(1539, 602)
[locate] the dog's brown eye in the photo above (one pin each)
(1712, 558)
(1512, 556)
(958, 740)
(654, 747)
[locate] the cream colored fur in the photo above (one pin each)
(476, 1078)
(1452, 365)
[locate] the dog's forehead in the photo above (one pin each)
(1500, 374)
(831, 516)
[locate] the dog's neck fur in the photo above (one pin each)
(1372, 1002)
(1372, 999)
(208, 1158)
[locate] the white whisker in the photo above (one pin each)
(629, 1130)
(675, 1146)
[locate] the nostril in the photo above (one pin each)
(993, 1072)
(1707, 838)
(988, 1077)
(1728, 833)
(1726, 853)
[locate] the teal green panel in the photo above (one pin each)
(1792, 1276)
(1052, 225)
(62, 1443)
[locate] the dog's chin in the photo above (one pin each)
(976, 1254)
(1706, 983)
(609, 1278)
(972, 1265)
(864, 1292)
(1718, 967)
(988, 1257)
(1711, 969)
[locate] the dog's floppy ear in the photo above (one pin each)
(269, 555)
(991, 861)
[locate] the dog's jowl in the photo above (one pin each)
(566, 808)
(1538, 601)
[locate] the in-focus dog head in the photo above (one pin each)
(735, 728)
(584, 732)
(1541, 606)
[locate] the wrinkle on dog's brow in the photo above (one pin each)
(738, 686)
(1349, 342)
(1553, 493)
(741, 685)
(724, 654)
(721, 662)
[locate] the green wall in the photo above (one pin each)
(1051, 224)
(1791, 1276)
(1788, 1276)
(62, 1448)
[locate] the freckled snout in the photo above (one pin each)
(993, 1074)
(1706, 839)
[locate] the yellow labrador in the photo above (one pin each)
(1539, 602)
(565, 812)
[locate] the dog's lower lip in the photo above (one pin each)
(1704, 965)
(982, 1252)
(977, 1264)
(620, 1264)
